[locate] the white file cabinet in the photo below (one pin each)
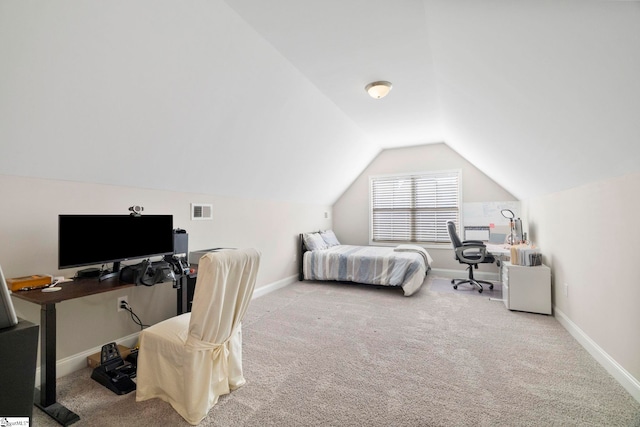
(526, 288)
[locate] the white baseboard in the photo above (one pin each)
(78, 361)
(263, 290)
(631, 384)
(460, 274)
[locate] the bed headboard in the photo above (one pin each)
(301, 250)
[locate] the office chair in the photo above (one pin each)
(472, 253)
(192, 359)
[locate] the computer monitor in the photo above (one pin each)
(100, 239)
(8, 316)
(497, 238)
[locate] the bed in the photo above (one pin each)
(323, 258)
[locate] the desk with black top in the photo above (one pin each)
(45, 397)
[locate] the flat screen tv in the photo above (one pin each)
(100, 239)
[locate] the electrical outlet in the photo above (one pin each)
(566, 290)
(121, 300)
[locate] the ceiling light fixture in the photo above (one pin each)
(379, 89)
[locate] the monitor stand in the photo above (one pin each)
(115, 272)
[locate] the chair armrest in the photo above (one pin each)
(480, 250)
(473, 242)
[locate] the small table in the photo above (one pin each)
(45, 397)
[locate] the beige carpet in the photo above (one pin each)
(328, 354)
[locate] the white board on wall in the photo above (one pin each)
(485, 213)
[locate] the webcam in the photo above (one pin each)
(136, 210)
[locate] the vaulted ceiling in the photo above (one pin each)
(266, 99)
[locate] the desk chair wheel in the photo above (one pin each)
(480, 290)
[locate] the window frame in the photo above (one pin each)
(428, 174)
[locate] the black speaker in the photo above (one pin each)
(18, 352)
(180, 242)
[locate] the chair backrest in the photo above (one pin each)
(224, 288)
(455, 240)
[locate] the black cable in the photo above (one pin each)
(134, 316)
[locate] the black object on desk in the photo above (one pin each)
(148, 273)
(45, 397)
(18, 352)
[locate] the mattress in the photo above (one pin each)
(404, 266)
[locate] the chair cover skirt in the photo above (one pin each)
(192, 359)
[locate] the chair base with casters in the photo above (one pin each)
(471, 281)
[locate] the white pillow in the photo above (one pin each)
(313, 241)
(329, 238)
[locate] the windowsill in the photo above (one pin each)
(424, 245)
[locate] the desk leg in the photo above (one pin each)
(45, 398)
(182, 295)
(500, 259)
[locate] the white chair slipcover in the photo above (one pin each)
(192, 359)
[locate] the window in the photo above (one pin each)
(414, 208)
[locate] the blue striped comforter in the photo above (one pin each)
(374, 265)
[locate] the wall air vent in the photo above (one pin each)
(201, 211)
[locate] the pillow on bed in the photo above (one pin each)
(313, 241)
(329, 238)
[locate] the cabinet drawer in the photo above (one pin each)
(527, 288)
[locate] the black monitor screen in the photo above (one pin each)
(98, 239)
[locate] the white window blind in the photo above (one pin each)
(414, 208)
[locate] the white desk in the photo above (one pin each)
(499, 250)
(502, 253)
(523, 288)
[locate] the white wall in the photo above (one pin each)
(351, 211)
(166, 95)
(28, 232)
(588, 237)
(530, 89)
